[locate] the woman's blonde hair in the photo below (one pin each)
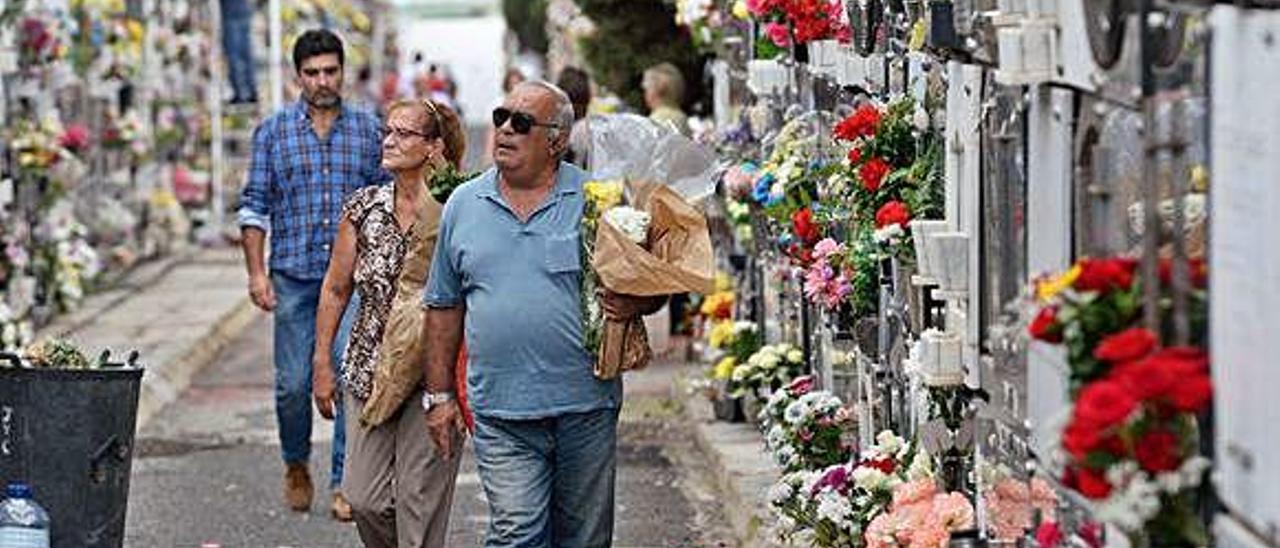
(441, 121)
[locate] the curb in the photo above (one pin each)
(162, 387)
(743, 470)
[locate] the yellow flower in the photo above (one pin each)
(1199, 179)
(918, 32)
(721, 334)
(1047, 289)
(718, 306)
(723, 281)
(603, 194)
(740, 10)
(724, 368)
(135, 30)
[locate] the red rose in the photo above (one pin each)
(1091, 484)
(1145, 379)
(1160, 375)
(1198, 271)
(855, 156)
(893, 213)
(1048, 535)
(1193, 394)
(1105, 274)
(872, 173)
(1103, 404)
(1045, 327)
(1127, 345)
(1157, 451)
(884, 464)
(805, 228)
(1080, 439)
(862, 123)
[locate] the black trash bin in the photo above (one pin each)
(69, 434)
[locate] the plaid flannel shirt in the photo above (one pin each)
(297, 183)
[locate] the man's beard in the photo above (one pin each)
(326, 100)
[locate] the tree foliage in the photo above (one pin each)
(633, 35)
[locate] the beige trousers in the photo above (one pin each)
(399, 487)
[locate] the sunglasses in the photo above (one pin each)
(521, 122)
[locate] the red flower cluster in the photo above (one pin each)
(872, 173)
(1105, 274)
(855, 156)
(805, 229)
(1045, 326)
(75, 138)
(892, 213)
(883, 464)
(862, 123)
(817, 20)
(1158, 383)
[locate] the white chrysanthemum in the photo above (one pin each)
(834, 508)
(775, 437)
(795, 356)
(887, 443)
(920, 119)
(796, 412)
(921, 466)
(632, 222)
(785, 456)
(868, 478)
(780, 492)
(889, 234)
(740, 373)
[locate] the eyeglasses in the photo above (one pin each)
(402, 133)
(521, 122)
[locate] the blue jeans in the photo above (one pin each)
(236, 20)
(549, 482)
(295, 337)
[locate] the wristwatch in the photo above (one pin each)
(430, 400)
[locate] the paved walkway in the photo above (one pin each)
(176, 312)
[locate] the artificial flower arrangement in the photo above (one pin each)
(887, 496)
(639, 235)
(39, 41)
(783, 23)
(1011, 504)
(806, 429)
(768, 368)
(39, 145)
(893, 170)
(1132, 441)
(127, 133)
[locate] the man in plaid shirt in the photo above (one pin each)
(307, 159)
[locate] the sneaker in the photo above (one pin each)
(297, 487)
(340, 509)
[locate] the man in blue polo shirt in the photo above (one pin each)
(306, 160)
(507, 267)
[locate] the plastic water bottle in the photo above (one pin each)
(23, 523)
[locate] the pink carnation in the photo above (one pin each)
(920, 490)
(778, 33)
(827, 247)
(953, 510)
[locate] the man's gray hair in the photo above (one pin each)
(564, 107)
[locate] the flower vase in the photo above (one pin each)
(727, 409)
(751, 407)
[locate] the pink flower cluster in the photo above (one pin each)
(1010, 506)
(824, 283)
(920, 517)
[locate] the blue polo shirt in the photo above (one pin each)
(520, 283)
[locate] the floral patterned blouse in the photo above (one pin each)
(380, 253)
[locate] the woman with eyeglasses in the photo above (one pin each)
(399, 486)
